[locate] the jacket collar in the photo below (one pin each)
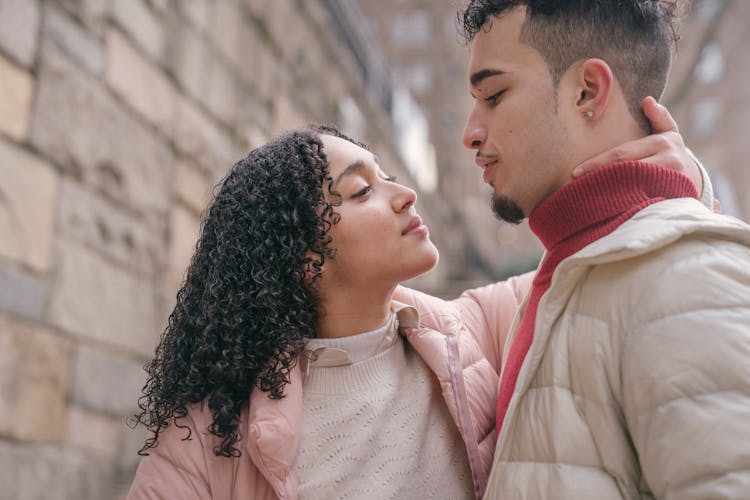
(654, 227)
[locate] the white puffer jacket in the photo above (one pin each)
(637, 383)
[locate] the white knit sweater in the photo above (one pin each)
(377, 427)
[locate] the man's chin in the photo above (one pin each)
(506, 209)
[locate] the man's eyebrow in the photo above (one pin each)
(480, 75)
(351, 169)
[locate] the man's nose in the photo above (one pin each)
(474, 135)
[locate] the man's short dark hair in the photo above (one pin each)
(634, 37)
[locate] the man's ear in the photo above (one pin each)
(595, 83)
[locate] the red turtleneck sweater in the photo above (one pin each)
(575, 215)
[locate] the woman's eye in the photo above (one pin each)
(390, 178)
(494, 98)
(362, 192)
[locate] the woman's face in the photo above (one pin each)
(380, 239)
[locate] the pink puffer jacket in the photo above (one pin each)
(460, 340)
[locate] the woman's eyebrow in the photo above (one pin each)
(351, 169)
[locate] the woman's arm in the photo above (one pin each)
(486, 312)
(175, 468)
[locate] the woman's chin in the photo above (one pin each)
(429, 260)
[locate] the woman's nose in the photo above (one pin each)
(404, 198)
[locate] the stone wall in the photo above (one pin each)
(116, 118)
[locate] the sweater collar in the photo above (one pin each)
(603, 195)
(320, 352)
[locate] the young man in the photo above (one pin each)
(627, 373)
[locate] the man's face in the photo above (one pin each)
(514, 125)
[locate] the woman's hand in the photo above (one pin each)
(663, 147)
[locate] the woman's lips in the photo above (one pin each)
(415, 227)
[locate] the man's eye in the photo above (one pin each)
(494, 98)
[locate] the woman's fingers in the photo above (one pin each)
(661, 149)
(659, 116)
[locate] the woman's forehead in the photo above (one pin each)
(341, 153)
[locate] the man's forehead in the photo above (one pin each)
(496, 49)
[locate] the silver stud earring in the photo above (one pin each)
(589, 114)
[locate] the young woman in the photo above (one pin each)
(287, 370)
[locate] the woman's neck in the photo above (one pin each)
(345, 313)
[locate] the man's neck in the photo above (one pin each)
(596, 200)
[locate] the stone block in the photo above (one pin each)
(16, 87)
(198, 137)
(223, 94)
(74, 40)
(141, 83)
(194, 188)
(267, 72)
(105, 383)
(228, 25)
(254, 136)
(143, 24)
(34, 376)
(297, 41)
(131, 441)
(188, 56)
(22, 294)
(28, 200)
(253, 114)
(93, 432)
(256, 8)
(93, 14)
(19, 28)
(79, 124)
(249, 66)
(185, 232)
(198, 12)
(277, 15)
(88, 476)
(30, 472)
(132, 241)
(95, 299)
(288, 115)
(41, 472)
(160, 6)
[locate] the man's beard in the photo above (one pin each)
(507, 210)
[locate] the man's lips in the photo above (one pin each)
(415, 227)
(486, 163)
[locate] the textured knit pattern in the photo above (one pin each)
(571, 218)
(379, 429)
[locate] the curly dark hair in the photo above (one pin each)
(635, 37)
(249, 296)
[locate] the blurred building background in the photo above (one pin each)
(118, 116)
(709, 95)
(427, 56)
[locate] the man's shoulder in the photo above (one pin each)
(671, 226)
(692, 254)
(695, 271)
